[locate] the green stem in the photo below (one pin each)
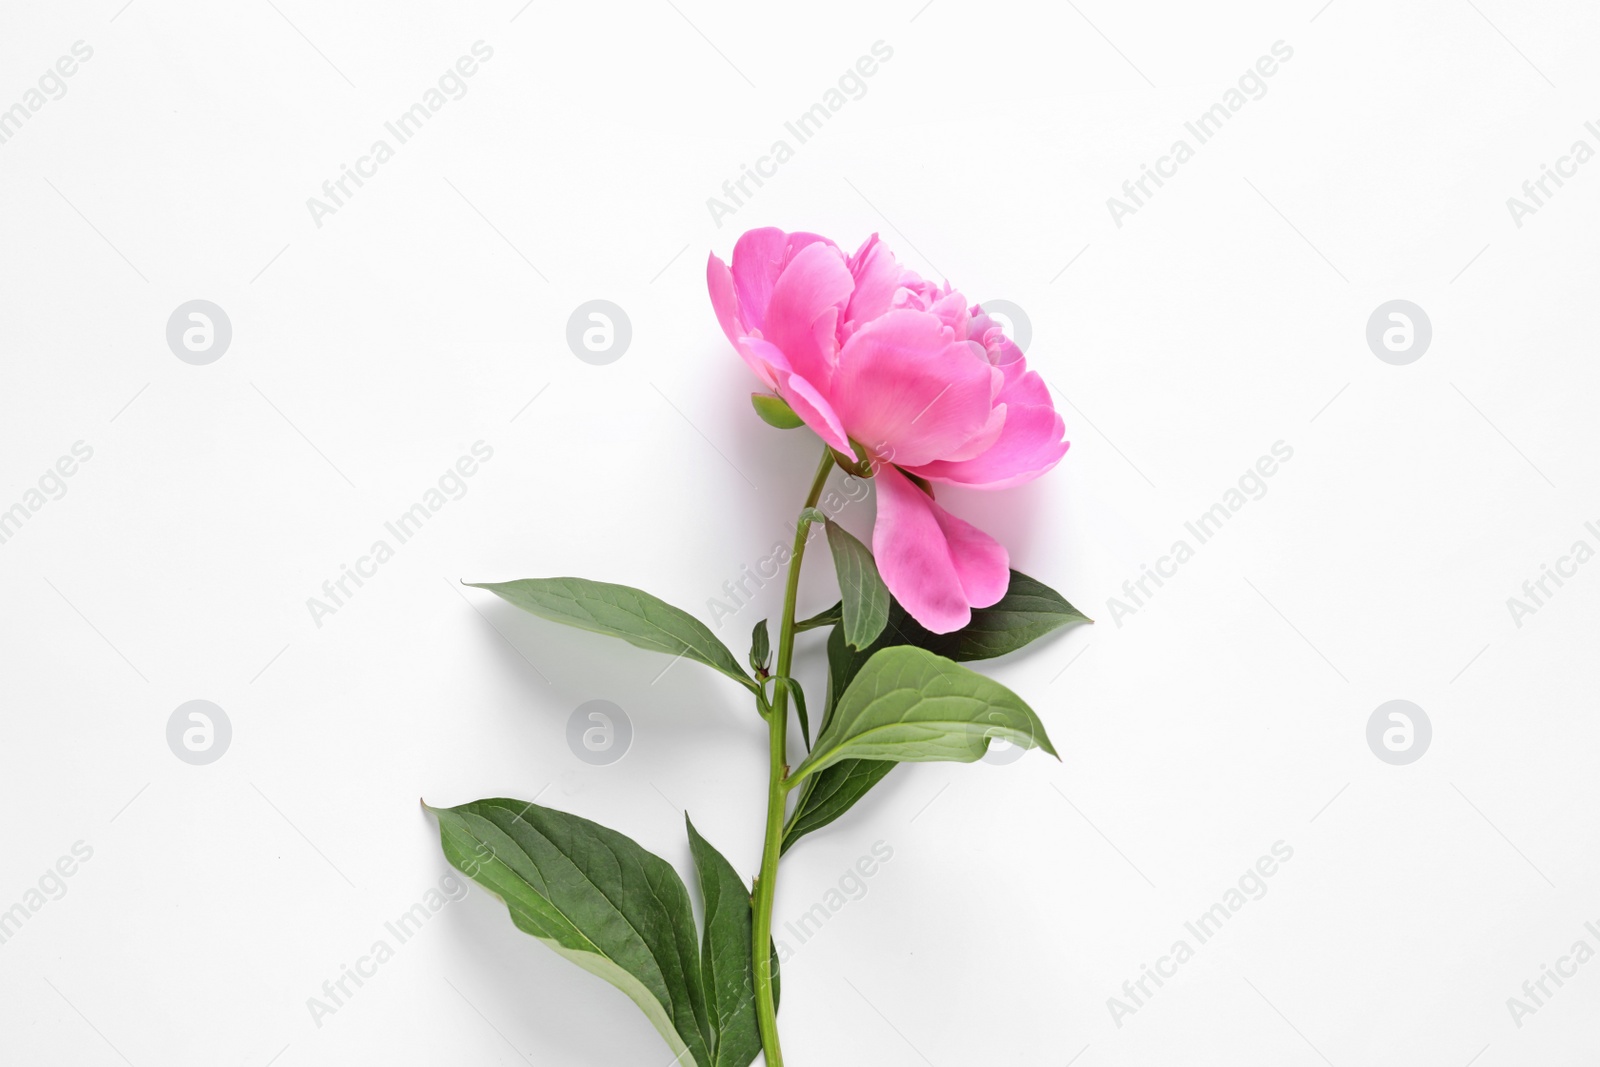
(777, 789)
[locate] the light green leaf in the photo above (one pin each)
(597, 898)
(863, 598)
(909, 705)
(1029, 610)
(729, 976)
(621, 611)
(834, 790)
(774, 411)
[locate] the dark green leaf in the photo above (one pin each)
(620, 611)
(844, 662)
(1029, 610)
(774, 411)
(800, 709)
(827, 617)
(597, 898)
(772, 969)
(830, 793)
(863, 598)
(910, 705)
(725, 955)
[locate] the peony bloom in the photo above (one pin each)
(868, 353)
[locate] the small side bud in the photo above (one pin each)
(760, 649)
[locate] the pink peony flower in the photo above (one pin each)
(866, 351)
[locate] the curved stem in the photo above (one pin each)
(777, 791)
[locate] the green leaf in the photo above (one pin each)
(597, 898)
(729, 975)
(844, 663)
(1029, 610)
(834, 790)
(774, 411)
(800, 709)
(760, 647)
(827, 617)
(830, 793)
(799, 694)
(909, 705)
(772, 969)
(863, 598)
(620, 611)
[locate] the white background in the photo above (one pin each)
(1227, 714)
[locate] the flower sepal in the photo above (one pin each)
(859, 465)
(775, 411)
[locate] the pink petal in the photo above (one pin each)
(984, 439)
(936, 565)
(802, 396)
(952, 311)
(759, 257)
(909, 391)
(1002, 351)
(763, 369)
(1022, 386)
(917, 293)
(913, 556)
(814, 409)
(1029, 444)
(877, 276)
(981, 562)
(724, 300)
(1019, 384)
(804, 308)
